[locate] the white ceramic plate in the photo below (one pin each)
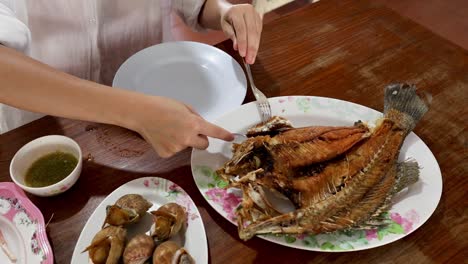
(194, 73)
(159, 192)
(412, 207)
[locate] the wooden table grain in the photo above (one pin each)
(343, 49)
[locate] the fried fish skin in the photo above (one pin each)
(281, 154)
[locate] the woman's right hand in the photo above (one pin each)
(171, 126)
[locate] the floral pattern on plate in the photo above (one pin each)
(26, 217)
(174, 193)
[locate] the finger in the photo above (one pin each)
(241, 34)
(192, 110)
(259, 23)
(253, 37)
(260, 14)
(163, 152)
(214, 131)
(200, 142)
(229, 31)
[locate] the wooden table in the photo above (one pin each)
(336, 48)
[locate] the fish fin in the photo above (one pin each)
(407, 174)
(378, 219)
(404, 99)
(382, 209)
(372, 224)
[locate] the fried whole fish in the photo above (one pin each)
(336, 177)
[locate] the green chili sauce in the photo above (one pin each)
(50, 169)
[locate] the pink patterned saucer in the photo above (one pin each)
(27, 220)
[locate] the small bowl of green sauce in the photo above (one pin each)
(47, 166)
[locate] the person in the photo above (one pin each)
(56, 57)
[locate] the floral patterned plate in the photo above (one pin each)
(158, 191)
(412, 207)
(23, 227)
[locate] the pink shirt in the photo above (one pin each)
(87, 38)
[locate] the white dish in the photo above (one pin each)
(203, 76)
(34, 150)
(412, 207)
(158, 191)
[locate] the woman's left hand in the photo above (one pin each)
(243, 25)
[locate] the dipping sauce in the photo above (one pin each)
(50, 169)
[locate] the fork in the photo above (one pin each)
(262, 101)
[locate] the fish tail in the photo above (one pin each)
(409, 106)
(407, 174)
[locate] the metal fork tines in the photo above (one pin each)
(262, 101)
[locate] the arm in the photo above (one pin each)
(241, 23)
(33, 86)
(212, 12)
(169, 126)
